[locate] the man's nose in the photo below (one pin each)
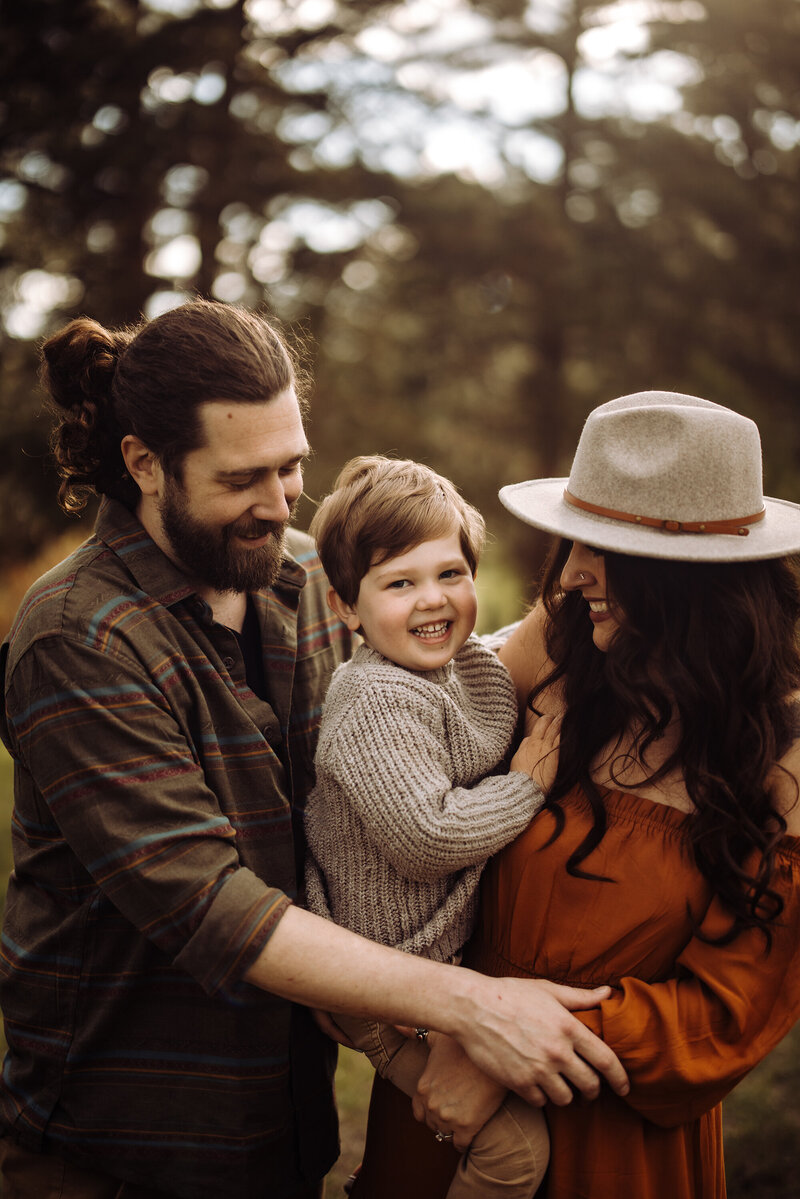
(272, 500)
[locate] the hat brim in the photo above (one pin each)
(541, 503)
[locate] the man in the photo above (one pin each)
(163, 689)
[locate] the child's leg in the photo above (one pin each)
(508, 1157)
(397, 1058)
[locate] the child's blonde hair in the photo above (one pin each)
(382, 507)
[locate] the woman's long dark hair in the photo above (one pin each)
(715, 645)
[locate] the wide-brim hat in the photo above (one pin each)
(658, 474)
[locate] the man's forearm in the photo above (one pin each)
(317, 963)
(518, 1031)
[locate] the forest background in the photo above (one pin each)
(480, 219)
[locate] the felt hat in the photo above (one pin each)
(658, 474)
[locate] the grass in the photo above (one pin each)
(762, 1127)
(353, 1084)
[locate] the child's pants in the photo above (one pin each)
(507, 1158)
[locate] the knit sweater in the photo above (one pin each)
(403, 815)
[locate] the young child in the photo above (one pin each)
(412, 795)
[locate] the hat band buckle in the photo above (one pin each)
(737, 526)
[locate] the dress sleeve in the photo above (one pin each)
(109, 769)
(390, 759)
(688, 1041)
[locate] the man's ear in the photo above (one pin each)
(346, 612)
(142, 464)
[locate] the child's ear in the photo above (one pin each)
(346, 612)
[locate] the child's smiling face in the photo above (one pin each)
(418, 608)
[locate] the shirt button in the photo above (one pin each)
(228, 663)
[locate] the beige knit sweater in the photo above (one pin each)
(403, 815)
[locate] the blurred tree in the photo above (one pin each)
(466, 309)
(740, 124)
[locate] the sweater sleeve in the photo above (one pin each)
(687, 1041)
(397, 777)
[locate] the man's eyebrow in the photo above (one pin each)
(260, 469)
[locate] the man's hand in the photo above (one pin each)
(453, 1095)
(523, 1035)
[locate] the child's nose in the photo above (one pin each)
(432, 595)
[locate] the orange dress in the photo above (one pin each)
(687, 1019)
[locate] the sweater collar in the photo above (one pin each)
(442, 674)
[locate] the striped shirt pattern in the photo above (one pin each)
(153, 856)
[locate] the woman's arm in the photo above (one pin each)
(687, 1041)
(525, 656)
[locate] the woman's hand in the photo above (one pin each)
(537, 754)
(453, 1095)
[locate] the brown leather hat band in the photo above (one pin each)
(672, 526)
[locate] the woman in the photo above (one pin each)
(667, 859)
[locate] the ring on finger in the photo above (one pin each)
(443, 1136)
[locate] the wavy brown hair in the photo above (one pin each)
(715, 645)
(150, 380)
(382, 507)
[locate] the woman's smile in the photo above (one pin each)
(585, 571)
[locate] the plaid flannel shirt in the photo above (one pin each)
(154, 854)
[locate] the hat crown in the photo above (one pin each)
(659, 474)
(671, 457)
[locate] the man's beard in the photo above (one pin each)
(208, 553)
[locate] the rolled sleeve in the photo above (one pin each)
(111, 787)
(235, 928)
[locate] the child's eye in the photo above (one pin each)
(398, 584)
(450, 574)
